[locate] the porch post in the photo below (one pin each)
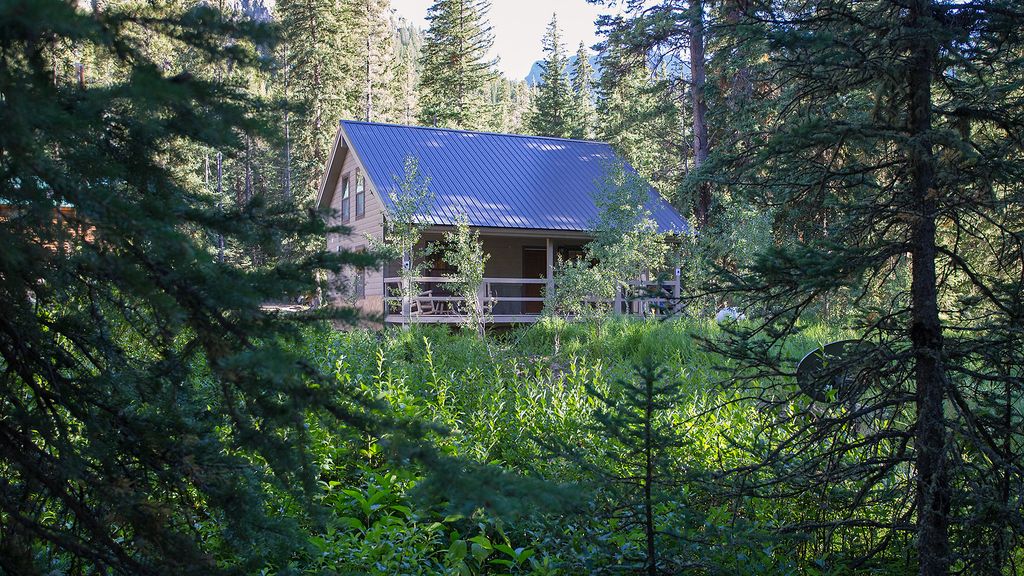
(550, 268)
(676, 290)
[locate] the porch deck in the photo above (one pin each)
(511, 300)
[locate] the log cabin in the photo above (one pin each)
(530, 198)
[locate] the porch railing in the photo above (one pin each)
(512, 299)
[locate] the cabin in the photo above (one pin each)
(530, 198)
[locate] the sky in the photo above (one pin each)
(519, 25)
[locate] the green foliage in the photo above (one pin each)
(873, 185)
(150, 408)
(627, 245)
(500, 404)
(371, 35)
(317, 62)
(640, 114)
(410, 203)
(552, 114)
(584, 114)
(465, 254)
(635, 420)
(455, 68)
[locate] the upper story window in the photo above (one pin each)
(360, 195)
(346, 210)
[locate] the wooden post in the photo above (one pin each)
(550, 247)
(676, 290)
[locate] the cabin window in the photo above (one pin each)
(346, 210)
(360, 195)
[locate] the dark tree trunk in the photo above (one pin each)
(652, 555)
(220, 197)
(287, 184)
(933, 491)
(369, 67)
(702, 204)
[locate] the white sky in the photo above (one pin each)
(519, 26)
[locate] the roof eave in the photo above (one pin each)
(325, 193)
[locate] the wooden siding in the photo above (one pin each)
(371, 224)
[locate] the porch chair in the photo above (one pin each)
(422, 305)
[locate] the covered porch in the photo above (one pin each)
(517, 277)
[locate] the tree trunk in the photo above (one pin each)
(247, 187)
(652, 554)
(220, 196)
(702, 204)
(287, 184)
(933, 491)
(369, 77)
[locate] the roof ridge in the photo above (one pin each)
(486, 132)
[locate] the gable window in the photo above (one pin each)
(346, 210)
(360, 195)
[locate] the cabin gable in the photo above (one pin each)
(349, 170)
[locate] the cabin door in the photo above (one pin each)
(535, 263)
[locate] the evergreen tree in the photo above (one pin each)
(320, 69)
(455, 65)
(698, 99)
(552, 113)
(639, 116)
(637, 475)
(372, 36)
(407, 44)
(510, 105)
(151, 413)
(584, 114)
(894, 162)
(670, 37)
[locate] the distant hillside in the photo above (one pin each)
(533, 78)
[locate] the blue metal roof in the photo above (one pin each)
(497, 180)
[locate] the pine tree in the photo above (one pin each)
(698, 99)
(673, 34)
(637, 468)
(639, 116)
(320, 70)
(372, 36)
(901, 143)
(407, 44)
(455, 65)
(510, 105)
(552, 113)
(152, 412)
(584, 114)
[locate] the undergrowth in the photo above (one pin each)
(524, 401)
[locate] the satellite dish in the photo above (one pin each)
(838, 372)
